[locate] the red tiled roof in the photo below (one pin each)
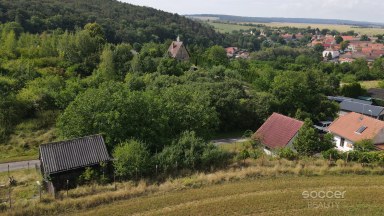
(348, 38)
(347, 125)
(278, 130)
(231, 50)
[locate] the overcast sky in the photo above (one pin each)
(358, 10)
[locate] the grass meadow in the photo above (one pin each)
(265, 186)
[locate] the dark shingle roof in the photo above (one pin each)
(278, 130)
(71, 154)
(340, 99)
(365, 109)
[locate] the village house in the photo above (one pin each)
(354, 127)
(63, 162)
(334, 53)
(278, 131)
(231, 51)
(178, 51)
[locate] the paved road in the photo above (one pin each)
(229, 141)
(18, 165)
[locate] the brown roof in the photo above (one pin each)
(174, 48)
(278, 130)
(348, 126)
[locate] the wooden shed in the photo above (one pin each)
(63, 162)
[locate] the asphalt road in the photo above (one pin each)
(19, 165)
(229, 141)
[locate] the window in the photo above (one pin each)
(361, 129)
(342, 140)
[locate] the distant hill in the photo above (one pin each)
(121, 21)
(229, 18)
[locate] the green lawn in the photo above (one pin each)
(265, 196)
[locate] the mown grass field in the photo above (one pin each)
(265, 196)
(229, 27)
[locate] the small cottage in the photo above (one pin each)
(278, 131)
(64, 161)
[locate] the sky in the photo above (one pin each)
(357, 10)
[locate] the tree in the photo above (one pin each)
(364, 38)
(364, 145)
(339, 39)
(344, 45)
(169, 66)
(131, 159)
(190, 152)
(107, 69)
(305, 91)
(318, 48)
(216, 55)
(353, 90)
(307, 141)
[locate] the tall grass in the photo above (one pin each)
(88, 197)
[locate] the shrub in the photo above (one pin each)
(364, 145)
(256, 153)
(131, 158)
(214, 157)
(89, 176)
(287, 153)
(331, 154)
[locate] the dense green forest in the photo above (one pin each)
(121, 22)
(74, 68)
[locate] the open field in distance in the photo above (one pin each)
(229, 27)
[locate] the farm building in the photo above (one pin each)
(278, 131)
(64, 161)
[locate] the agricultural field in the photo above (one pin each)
(262, 186)
(364, 195)
(229, 27)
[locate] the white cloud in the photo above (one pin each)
(360, 10)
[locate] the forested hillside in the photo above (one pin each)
(121, 22)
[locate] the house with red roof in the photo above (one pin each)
(354, 127)
(231, 51)
(278, 131)
(178, 51)
(349, 38)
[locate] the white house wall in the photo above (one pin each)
(348, 145)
